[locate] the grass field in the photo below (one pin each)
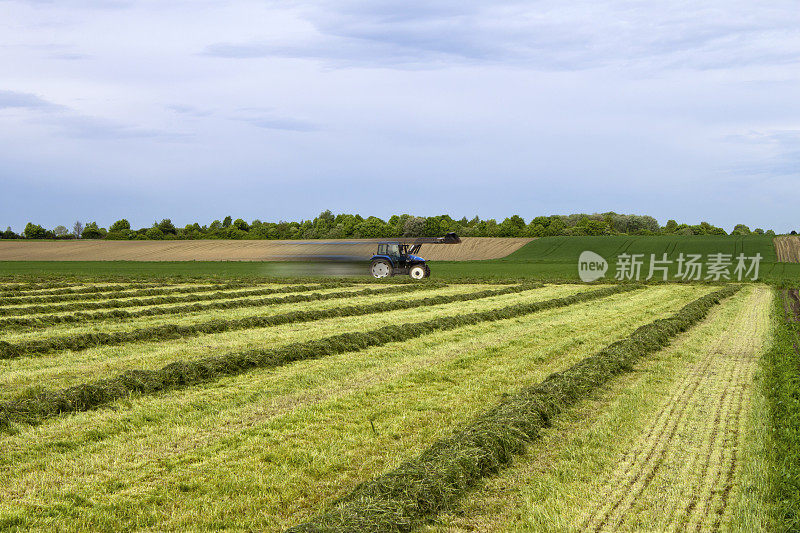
(219, 396)
(292, 410)
(549, 258)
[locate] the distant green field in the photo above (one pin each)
(549, 258)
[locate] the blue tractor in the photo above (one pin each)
(399, 256)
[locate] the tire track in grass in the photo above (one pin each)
(702, 419)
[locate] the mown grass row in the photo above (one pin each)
(38, 406)
(127, 292)
(225, 303)
(422, 487)
(82, 341)
(15, 288)
(71, 289)
(782, 391)
(161, 300)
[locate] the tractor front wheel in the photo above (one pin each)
(417, 271)
(381, 268)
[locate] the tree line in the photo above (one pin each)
(343, 226)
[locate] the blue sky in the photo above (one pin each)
(277, 110)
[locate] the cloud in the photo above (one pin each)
(549, 35)
(192, 111)
(86, 127)
(12, 99)
(267, 119)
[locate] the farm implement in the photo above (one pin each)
(398, 256)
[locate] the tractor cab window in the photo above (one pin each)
(389, 249)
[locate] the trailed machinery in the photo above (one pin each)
(399, 256)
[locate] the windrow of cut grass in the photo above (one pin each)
(782, 391)
(179, 374)
(422, 487)
(26, 375)
(195, 294)
(72, 288)
(216, 301)
(172, 331)
(128, 292)
(16, 288)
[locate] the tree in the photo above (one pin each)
(60, 231)
(77, 229)
(35, 231)
(414, 227)
(167, 227)
(119, 225)
(8, 234)
(155, 234)
(512, 226)
(740, 229)
(227, 222)
(92, 231)
(241, 225)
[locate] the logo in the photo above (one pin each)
(591, 266)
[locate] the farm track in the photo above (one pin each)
(77, 342)
(213, 301)
(127, 292)
(691, 448)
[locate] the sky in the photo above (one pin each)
(194, 110)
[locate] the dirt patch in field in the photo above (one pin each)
(788, 248)
(471, 248)
(791, 302)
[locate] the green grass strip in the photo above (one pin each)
(227, 303)
(422, 487)
(89, 289)
(110, 297)
(83, 341)
(17, 288)
(782, 391)
(141, 302)
(41, 405)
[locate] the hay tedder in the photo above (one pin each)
(398, 256)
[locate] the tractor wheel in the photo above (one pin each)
(427, 271)
(381, 268)
(417, 271)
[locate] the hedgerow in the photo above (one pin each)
(128, 292)
(41, 405)
(224, 304)
(782, 391)
(160, 300)
(422, 487)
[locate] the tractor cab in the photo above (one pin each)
(400, 256)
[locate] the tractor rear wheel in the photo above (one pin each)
(417, 271)
(427, 271)
(381, 268)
